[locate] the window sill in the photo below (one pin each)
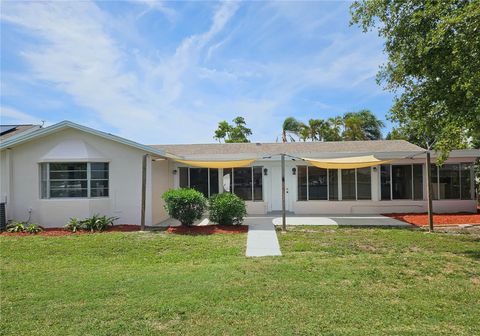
(74, 198)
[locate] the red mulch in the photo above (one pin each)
(421, 219)
(207, 229)
(63, 232)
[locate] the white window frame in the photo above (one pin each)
(472, 183)
(339, 186)
(88, 179)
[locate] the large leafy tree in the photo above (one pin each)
(433, 66)
(238, 132)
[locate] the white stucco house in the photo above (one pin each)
(68, 170)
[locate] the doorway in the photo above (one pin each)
(276, 189)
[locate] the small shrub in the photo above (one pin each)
(74, 224)
(16, 227)
(33, 228)
(97, 222)
(185, 205)
(227, 209)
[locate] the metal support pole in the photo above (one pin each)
(429, 193)
(144, 191)
(284, 220)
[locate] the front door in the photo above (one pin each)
(276, 189)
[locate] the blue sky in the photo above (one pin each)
(168, 72)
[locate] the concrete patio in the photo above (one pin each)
(326, 220)
(275, 218)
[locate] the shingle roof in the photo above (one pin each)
(373, 146)
(11, 130)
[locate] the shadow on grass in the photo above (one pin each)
(474, 254)
(201, 230)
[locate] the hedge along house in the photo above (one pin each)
(68, 170)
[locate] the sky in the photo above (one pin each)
(168, 72)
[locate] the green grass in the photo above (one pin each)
(329, 281)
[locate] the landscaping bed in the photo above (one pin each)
(64, 232)
(207, 229)
(421, 219)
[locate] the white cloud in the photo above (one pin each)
(161, 99)
(81, 59)
(155, 5)
(11, 116)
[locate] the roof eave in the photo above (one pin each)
(23, 138)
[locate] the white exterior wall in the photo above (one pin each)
(125, 176)
(162, 180)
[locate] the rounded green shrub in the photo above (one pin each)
(185, 205)
(227, 209)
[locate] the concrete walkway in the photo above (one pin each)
(262, 240)
(326, 220)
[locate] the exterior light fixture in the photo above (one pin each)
(174, 172)
(294, 171)
(265, 171)
(374, 168)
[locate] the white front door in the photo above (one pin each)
(276, 189)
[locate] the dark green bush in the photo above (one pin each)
(227, 209)
(185, 205)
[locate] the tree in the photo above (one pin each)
(238, 132)
(433, 66)
(362, 125)
(290, 127)
(333, 129)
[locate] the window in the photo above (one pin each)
(333, 184)
(317, 183)
(204, 180)
(466, 174)
(348, 184)
(452, 181)
(302, 183)
(242, 183)
(401, 182)
(199, 180)
(74, 179)
(322, 184)
(449, 181)
(257, 184)
(246, 183)
(364, 184)
(417, 182)
(434, 174)
(385, 182)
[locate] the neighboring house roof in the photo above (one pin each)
(23, 138)
(8, 131)
(330, 148)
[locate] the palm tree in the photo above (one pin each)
(362, 125)
(333, 129)
(304, 132)
(316, 129)
(290, 127)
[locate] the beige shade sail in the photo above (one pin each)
(218, 164)
(347, 162)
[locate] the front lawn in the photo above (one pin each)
(330, 281)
